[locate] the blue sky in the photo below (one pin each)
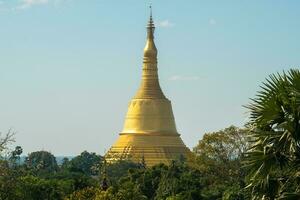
(68, 68)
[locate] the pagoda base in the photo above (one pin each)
(153, 148)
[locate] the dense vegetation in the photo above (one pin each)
(261, 161)
(212, 171)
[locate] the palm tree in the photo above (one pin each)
(273, 161)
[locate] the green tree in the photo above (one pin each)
(41, 162)
(8, 176)
(150, 179)
(87, 163)
(77, 180)
(218, 156)
(129, 190)
(234, 192)
(117, 170)
(180, 181)
(224, 145)
(15, 156)
(147, 179)
(35, 188)
(274, 158)
(105, 195)
(8, 181)
(65, 163)
(88, 193)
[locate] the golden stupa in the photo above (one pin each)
(149, 132)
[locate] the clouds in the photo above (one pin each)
(168, 24)
(29, 3)
(165, 24)
(35, 2)
(26, 4)
(183, 78)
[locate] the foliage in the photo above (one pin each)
(9, 174)
(160, 182)
(77, 180)
(149, 179)
(224, 145)
(234, 192)
(41, 162)
(7, 181)
(87, 163)
(105, 195)
(274, 158)
(119, 169)
(5, 140)
(15, 156)
(32, 180)
(129, 190)
(180, 180)
(204, 175)
(88, 193)
(218, 157)
(32, 187)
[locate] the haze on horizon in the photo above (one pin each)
(68, 68)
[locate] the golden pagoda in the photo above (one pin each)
(149, 132)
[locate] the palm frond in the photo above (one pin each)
(275, 134)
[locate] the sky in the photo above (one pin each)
(68, 68)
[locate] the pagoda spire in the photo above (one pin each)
(150, 88)
(150, 26)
